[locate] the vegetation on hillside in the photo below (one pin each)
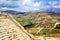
(31, 20)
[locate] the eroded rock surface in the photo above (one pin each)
(10, 31)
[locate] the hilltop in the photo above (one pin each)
(35, 18)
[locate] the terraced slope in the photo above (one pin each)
(11, 30)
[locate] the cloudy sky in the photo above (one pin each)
(28, 5)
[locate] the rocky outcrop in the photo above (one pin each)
(12, 30)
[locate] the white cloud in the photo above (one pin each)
(27, 1)
(27, 5)
(5, 8)
(56, 6)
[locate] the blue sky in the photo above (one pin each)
(28, 5)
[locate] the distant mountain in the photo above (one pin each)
(53, 11)
(12, 12)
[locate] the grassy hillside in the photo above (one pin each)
(33, 19)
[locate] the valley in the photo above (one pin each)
(35, 21)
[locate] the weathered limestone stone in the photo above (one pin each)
(11, 30)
